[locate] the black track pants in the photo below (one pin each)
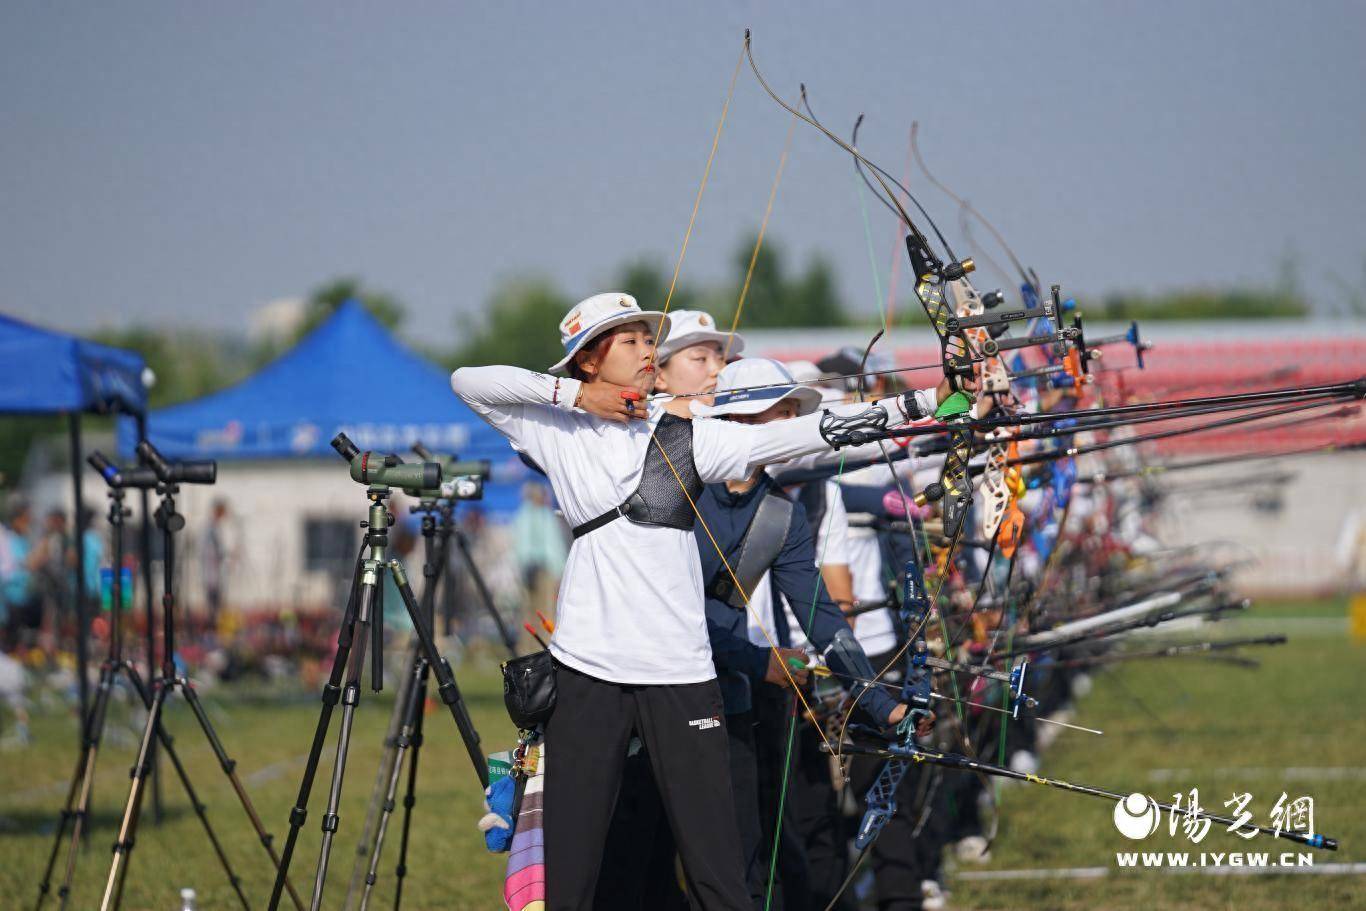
(685, 737)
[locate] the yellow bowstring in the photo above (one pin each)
(759, 241)
(697, 203)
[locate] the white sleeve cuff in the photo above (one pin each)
(565, 392)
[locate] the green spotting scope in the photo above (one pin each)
(461, 479)
(384, 469)
(454, 466)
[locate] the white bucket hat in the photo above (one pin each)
(807, 372)
(774, 384)
(692, 327)
(593, 316)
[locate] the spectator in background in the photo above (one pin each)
(9, 565)
(18, 589)
(219, 556)
(55, 555)
(13, 694)
(94, 557)
(539, 548)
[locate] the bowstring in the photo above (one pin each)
(697, 202)
(759, 241)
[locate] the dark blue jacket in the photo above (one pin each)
(739, 663)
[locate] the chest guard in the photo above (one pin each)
(659, 499)
(764, 540)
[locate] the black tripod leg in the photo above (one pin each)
(331, 694)
(485, 596)
(445, 678)
(229, 767)
(94, 730)
(46, 884)
(366, 845)
(410, 795)
(350, 699)
(415, 696)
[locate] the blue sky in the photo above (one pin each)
(189, 161)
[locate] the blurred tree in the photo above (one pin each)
(647, 280)
(517, 327)
(775, 299)
(1200, 303)
(188, 364)
(17, 433)
(326, 298)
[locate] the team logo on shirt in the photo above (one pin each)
(703, 724)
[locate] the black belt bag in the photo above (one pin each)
(529, 689)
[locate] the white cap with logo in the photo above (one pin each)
(693, 327)
(593, 316)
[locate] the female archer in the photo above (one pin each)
(630, 644)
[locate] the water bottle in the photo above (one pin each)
(186, 899)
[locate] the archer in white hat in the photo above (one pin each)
(587, 322)
(694, 354)
(630, 649)
(754, 386)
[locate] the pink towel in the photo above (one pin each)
(524, 887)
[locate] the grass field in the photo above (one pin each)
(1285, 727)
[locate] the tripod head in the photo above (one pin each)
(138, 478)
(384, 469)
(181, 471)
(459, 480)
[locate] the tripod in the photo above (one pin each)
(365, 610)
(405, 722)
(168, 477)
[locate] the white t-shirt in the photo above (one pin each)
(874, 630)
(631, 598)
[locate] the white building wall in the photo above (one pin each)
(1313, 544)
(269, 503)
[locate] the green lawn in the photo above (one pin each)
(1305, 709)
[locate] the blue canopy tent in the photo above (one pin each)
(349, 374)
(46, 372)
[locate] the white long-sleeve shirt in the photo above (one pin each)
(631, 598)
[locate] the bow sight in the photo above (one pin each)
(1131, 337)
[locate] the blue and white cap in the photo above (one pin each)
(755, 384)
(593, 316)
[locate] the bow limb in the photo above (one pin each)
(966, 207)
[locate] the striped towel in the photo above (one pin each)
(524, 888)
